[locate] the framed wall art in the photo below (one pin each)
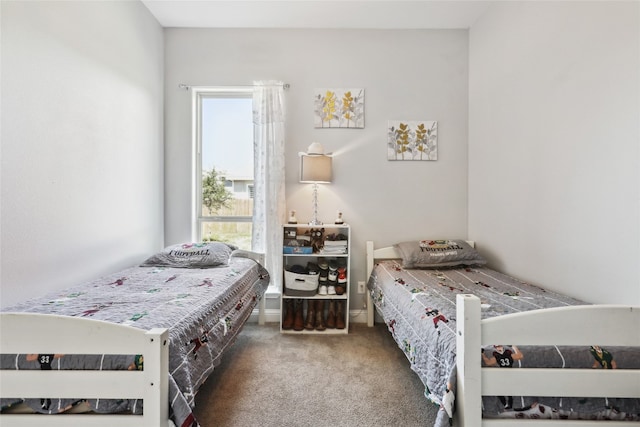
(412, 140)
(339, 108)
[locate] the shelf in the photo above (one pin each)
(327, 331)
(319, 255)
(318, 296)
(295, 232)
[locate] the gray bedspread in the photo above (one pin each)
(419, 308)
(204, 309)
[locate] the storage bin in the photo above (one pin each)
(289, 250)
(300, 285)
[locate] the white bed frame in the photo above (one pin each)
(582, 325)
(28, 333)
(24, 333)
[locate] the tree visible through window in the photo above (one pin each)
(224, 173)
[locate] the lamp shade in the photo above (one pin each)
(315, 169)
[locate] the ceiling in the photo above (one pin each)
(374, 14)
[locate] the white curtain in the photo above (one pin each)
(269, 208)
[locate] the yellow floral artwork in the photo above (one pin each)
(339, 108)
(412, 140)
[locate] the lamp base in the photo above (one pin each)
(315, 221)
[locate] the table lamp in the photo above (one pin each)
(315, 168)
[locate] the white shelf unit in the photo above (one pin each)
(303, 259)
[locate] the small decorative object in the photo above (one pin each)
(339, 108)
(290, 233)
(292, 217)
(408, 140)
(317, 239)
(339, 219)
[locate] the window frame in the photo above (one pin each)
(198, 94)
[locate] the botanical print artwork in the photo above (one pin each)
(339, 108)
(412, 140)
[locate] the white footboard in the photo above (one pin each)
(22, 333)
(582, 325)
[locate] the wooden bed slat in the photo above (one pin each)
(84, 420)
(566, 382)
(554, 423)
(602, 323)
(75, 384)
(65, 335)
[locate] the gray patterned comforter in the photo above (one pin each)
(204, 309)
(419, 308)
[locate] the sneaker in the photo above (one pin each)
(333, 276)
(322, 290)
(323, 265)
(312, 267)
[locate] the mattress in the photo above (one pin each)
(204, 309)
(419, 309)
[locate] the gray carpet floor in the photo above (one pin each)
(271, 379)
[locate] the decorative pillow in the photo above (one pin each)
(192, 255)
(438, 253)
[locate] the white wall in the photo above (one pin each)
(82, 149)
(408, 75)
(554, 145)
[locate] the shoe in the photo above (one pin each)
(287, 322)
(298, 319)
(331, 315)
(310, 324)
(312, 268)
(324, 276)
(332, 278)
(340, 316)
(341, 287)
(320, 325)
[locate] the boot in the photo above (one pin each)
(340, 316)
(331, 315)
(310, 324)
(298, 318)
(287, 322)
(320, 326)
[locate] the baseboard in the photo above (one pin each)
(273, 316)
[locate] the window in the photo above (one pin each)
(224, 165)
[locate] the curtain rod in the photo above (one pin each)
(188, 87)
